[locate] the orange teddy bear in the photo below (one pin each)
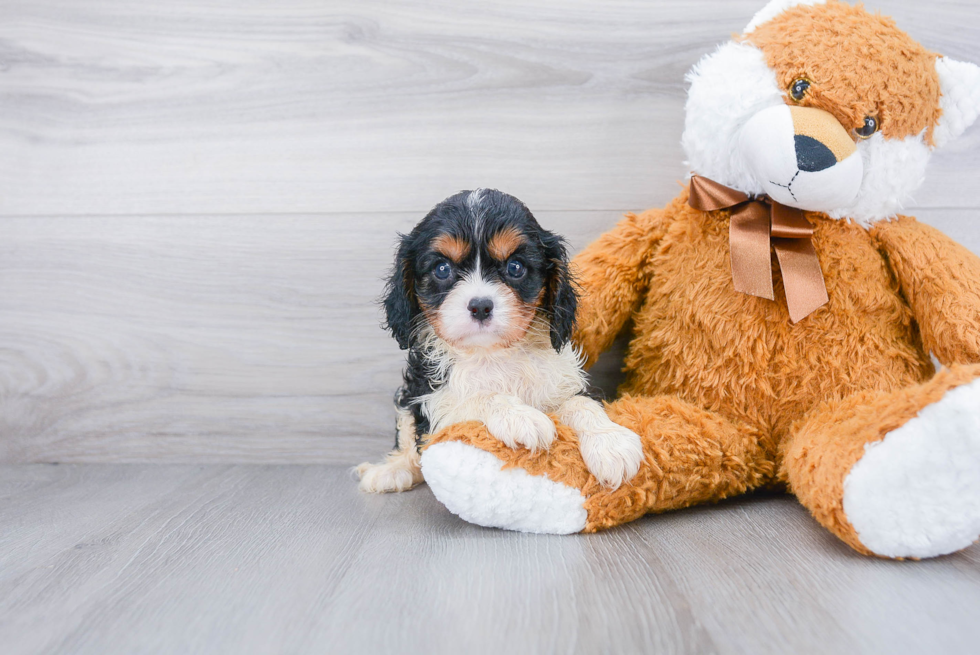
(810, 369)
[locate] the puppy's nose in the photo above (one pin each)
(812, 155)
(480, 308)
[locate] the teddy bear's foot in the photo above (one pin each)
(473, 485)
(894, 474)
(916, 493)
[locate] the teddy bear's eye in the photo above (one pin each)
(869, 128)
(798, 89)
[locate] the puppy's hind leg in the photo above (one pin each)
(401, 470)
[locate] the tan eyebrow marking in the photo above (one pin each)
(452, 247)
(504, 243)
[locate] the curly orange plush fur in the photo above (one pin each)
(726, 393)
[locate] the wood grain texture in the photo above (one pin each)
(202, 338)
(126, 107)
(198, 199)
(259, 559)
(216, 338)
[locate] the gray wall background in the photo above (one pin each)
(198, 199)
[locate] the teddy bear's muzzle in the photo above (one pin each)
(802, 157)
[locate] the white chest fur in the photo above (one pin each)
(530, 371)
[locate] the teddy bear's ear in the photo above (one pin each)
(773, 9)
(959, 82)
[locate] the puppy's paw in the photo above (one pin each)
(518, 424)
(612, 454)
(390, 476)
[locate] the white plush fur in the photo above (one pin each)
(773, 9)
(727, 88)
(916, 493)
(767, 145)
(613, 453)
(472, 485)
(893, 170)
(731, 86)
(959, 82)
(400, 471)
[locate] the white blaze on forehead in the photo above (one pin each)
(474, 203)
(773, 9)
(473, 199)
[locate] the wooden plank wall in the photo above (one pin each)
(198, 199)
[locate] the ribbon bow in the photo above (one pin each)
(755, 223)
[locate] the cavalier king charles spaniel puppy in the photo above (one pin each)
(482, 298)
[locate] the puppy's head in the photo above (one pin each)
(478, 269)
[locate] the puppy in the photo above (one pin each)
(482, 299)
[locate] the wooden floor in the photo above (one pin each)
(292, 559)
(198, 200)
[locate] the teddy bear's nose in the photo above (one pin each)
(812, 155)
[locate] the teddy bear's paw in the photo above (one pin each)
(517, 424)
(612, 453)
(916, 493)
(473, 485)
(388, 477)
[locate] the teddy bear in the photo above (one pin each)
(784, 312)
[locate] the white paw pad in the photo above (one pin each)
(612, 454)
(471, 484)
(522, 425)
(916, 493)
(387, 477)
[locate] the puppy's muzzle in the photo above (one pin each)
(481, 309)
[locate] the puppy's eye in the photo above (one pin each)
(515, 269)
(443, 270)
(868, 129)
(798, 89)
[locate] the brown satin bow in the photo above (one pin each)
(755, 222)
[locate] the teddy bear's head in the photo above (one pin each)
(825, 107)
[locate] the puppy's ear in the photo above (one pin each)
(561, 298)
(401, 305)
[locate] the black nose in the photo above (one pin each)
(480, 308)
(813, 156)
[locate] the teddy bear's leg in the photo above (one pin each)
(894, 474)
(690, 456)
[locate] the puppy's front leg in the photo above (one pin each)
(401, 469)
(508, 419)
(611, 452)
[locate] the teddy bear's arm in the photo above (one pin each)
(941, 281)
(613, 273)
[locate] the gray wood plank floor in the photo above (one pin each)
(292, 559)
